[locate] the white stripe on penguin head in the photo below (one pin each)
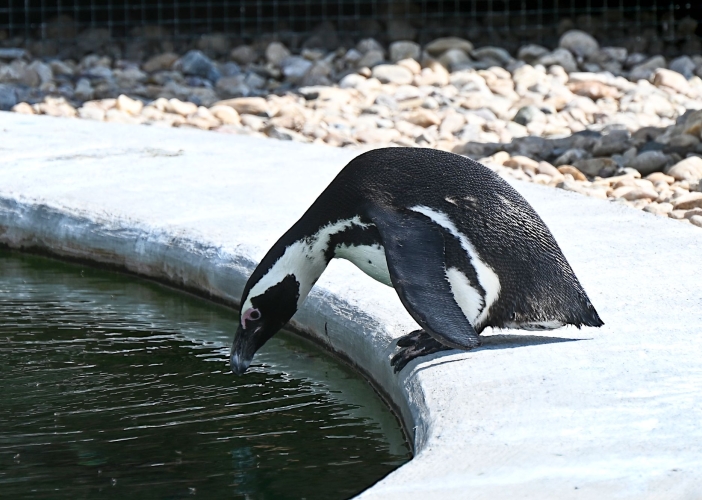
(305, 259)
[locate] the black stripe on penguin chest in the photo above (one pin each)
(354, 235)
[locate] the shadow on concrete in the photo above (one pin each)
(491, 342)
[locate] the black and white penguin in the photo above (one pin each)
(461, 247)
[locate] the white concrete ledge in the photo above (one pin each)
(611, 413)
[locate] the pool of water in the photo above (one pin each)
(116, 387)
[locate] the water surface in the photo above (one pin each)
(114, 387)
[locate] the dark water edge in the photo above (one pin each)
(114, 386)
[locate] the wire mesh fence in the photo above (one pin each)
(508, 23)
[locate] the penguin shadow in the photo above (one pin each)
(489, 342)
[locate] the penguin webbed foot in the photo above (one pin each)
(413, 345)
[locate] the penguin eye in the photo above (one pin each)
(252, 314)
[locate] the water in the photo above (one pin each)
(115, 387)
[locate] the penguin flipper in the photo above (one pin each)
(414, 250)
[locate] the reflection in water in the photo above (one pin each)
(113, 386)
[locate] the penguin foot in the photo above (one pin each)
(413, 345)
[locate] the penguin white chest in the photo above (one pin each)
(368, 258)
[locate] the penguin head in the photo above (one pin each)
(262, 316)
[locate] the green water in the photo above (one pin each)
(115, 387)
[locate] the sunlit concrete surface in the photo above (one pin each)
(614, 412)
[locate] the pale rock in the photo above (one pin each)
(226, 114)
(660, 177)
(546, 168)
(621, 191)
(56, 106)
(181, 108)
(677, 214)
(578, 187)
(92, 113)
(203, 119)
(658, 208)
(129, 105)
(23, 108)
(696, 220)
(351, 81)
(441, 45)
(247, 105)
(254, 122)
(522, 162)
(593, 89)
(639, 193)
(377, 136)
(452, 122)
(411, 65)
(689, 169)
(404, 50)
(423, 118)
(117, 116)
(688, 201)
(666, 78)
(392, 73)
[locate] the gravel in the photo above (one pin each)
(600, 121)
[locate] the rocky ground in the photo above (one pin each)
(595, 120)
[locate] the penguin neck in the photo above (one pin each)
(304, 257)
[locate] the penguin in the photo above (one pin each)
(462, 248)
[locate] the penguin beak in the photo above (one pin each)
(242, 353)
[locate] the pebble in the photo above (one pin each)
(648, 162)
(579, 43)
(688, 201)
(404, 50)
(247, 105)
(392, 73)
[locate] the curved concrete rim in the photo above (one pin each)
(611, 412)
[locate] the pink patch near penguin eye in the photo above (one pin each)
(250, 315)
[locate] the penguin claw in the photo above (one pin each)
(410, 339)
(413, 345)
